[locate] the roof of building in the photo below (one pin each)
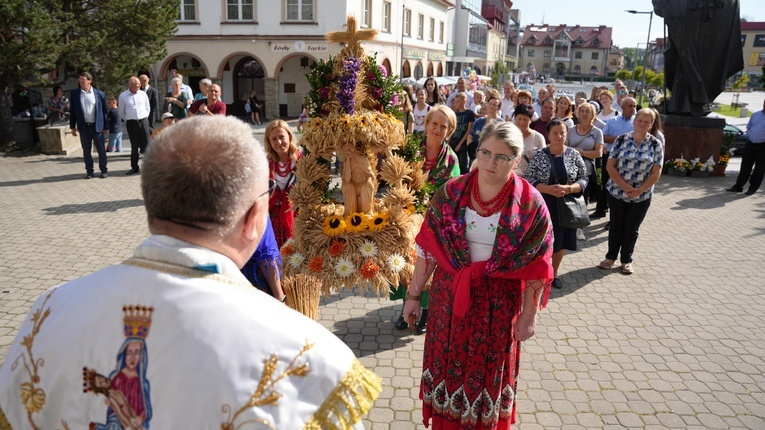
(586, 37)
(752, 26)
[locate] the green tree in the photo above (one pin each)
(111, 39)
(637, 73)
(500, 68)
(29, 35)
(762, 78)
(658, 80)
(741, 82)
(623, 74)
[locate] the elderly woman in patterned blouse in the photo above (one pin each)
(561, 162)
(634, 165)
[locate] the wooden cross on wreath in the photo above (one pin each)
(352, 37)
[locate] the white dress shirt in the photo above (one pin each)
(88, 103)
(507, 109)
(133, 106)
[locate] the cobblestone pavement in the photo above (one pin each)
(679, 344)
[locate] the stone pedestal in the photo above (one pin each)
(25, 130)
(58, 140)
(692, 137)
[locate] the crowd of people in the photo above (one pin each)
(488, 253)
(98, 119)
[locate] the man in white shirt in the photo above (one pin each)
(508, 107)
(461, 89)
(175, 337)
(134, 109)
(89, 115)
(550, 90)
(541, 95)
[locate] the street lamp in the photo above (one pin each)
(645, 57)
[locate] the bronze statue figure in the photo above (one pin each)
(704, 51)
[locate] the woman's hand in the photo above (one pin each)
(633, 192)
(525, 325)
(557, 190)
(411, 307)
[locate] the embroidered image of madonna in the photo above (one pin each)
(126, 389)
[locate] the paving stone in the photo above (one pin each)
(679, 344)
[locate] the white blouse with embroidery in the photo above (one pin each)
(480, 234)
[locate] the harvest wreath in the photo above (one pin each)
(367, 241)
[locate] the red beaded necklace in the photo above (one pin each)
(429, 162)
(282, 169)
(492, 206)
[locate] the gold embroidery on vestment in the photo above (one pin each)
(32, 396)
(353, 397)
(265, 394)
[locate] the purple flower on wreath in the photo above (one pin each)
(324, 92)
(383, 71)
(347, 84)
(377, 93)
(394, 100)
(371, 76)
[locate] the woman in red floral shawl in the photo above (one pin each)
(283, 153)
(488, 236)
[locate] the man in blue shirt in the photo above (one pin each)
(754, 155)
(614, 128)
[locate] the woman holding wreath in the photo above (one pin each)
(487, 241)
(556, 171)
(283, 152)
(441, 164)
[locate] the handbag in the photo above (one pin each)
(572, 210)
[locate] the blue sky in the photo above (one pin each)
(628, 29)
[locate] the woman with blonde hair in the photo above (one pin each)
(587, 140)
(563, 111)
(487, 241)
(441, 164)
(283, 152)
(606, 100)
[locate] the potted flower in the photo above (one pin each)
(702, 169)
(726, 150)
(678, 167)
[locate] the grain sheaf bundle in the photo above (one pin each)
(303, 294)
(353, 108)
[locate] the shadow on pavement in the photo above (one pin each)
(579, 278)
(47, 179)
(371, 332)
(711, 201)
(95, 207)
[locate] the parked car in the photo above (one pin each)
(740, 137)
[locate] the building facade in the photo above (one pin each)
(753, 45)
(469, 42)
(564, 50)
(496, 40)
(269, 45)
